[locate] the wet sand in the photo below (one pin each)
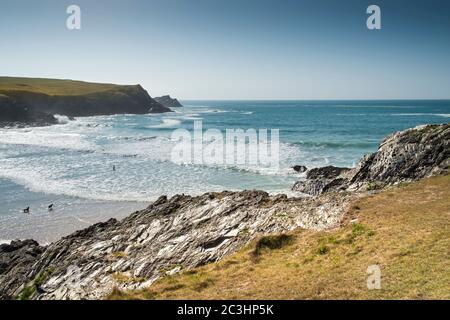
(69, 213)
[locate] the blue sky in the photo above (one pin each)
(228, 49)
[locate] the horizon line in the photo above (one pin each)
(302, 99)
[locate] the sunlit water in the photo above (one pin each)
(70, 164)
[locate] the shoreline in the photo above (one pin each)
(185, 232)
(70, 214)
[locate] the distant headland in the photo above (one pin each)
(34, 101)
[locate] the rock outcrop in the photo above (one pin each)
(299, 168)
(404, 156)
(169, 102)
(33, 104)
(16, 259)
(13, 113)
(170, 235)
(319, 180)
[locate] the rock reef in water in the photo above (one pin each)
(169, 102)
(300, 168)
(404, 156)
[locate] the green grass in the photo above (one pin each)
(373, 186)
(272, 242)
(52, 86)
(29, 291)
(404, 230)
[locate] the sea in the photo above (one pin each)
(96, 168)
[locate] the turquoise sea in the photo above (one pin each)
(70, 164)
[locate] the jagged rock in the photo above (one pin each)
(319, 180)
(13, 113)
(168, 236)
(16, 259)
(328, 172)
(407, 155)
(404, 156)
(299, 169)
(169, 102)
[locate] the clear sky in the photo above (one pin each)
(236, 49)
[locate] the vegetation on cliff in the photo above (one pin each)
(35, 101)
(404, 230)
(53, 87)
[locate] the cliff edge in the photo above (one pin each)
(35, 101)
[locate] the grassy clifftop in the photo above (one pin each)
(35, 101)
(53, 87)
(404, 230)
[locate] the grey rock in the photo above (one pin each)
(299, 169)
(328, 172)
(402, 157)
(406, 156)
(168, 102)
(16, 259)
(318, 180)
(167, 237)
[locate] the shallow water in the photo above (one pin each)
(69, 213)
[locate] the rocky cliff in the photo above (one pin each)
(185, 232)
(35, 101)
(13, 112)
(402, 157)
(169, 102)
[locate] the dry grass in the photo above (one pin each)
(271, 242)
(124, 278)
(405, 231)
